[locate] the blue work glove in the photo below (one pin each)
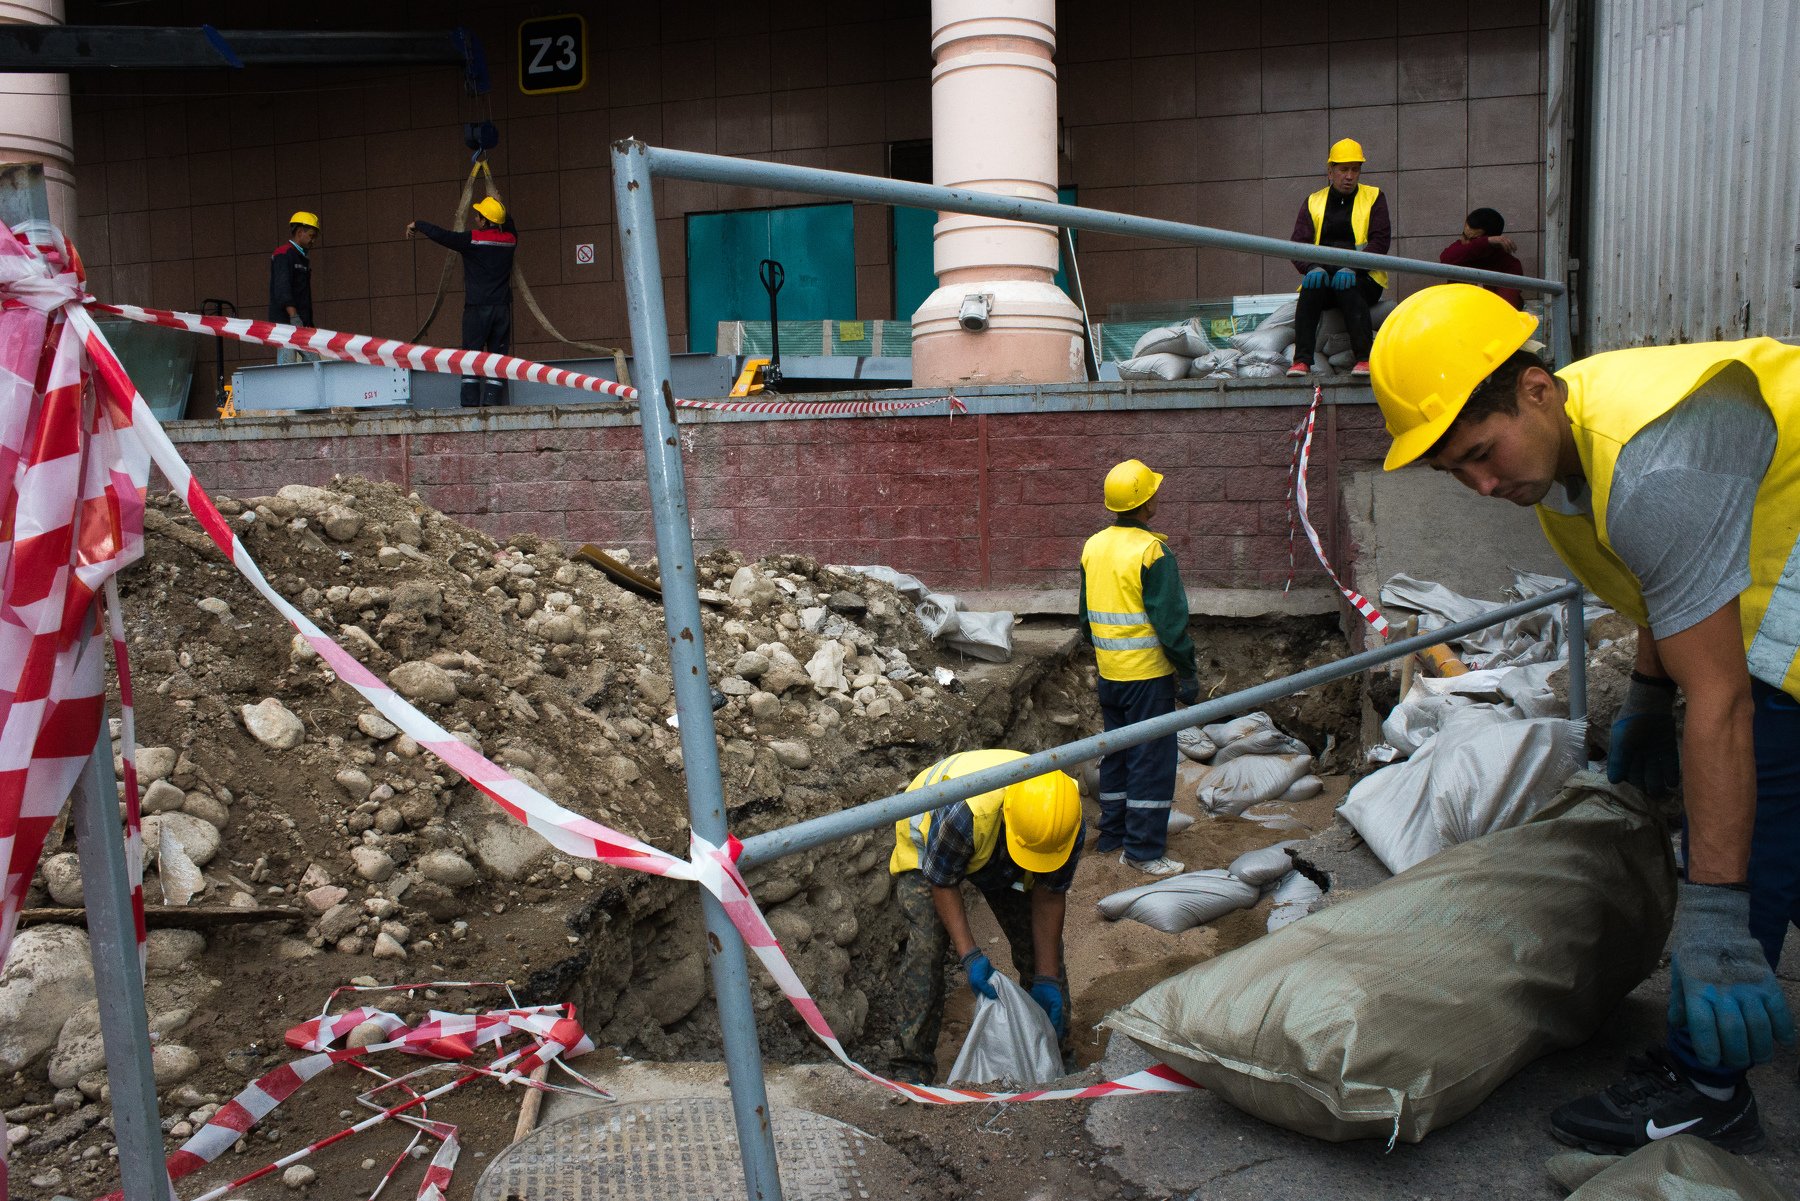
(981, 975)
(1187, 689)
(1344, 279)
(1047, 991)
(1645, 750)
(1722, 988)
(1314, 278)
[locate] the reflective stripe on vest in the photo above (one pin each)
(1360, 208)
(911, 835)
(1614, 396)
(1125, 643)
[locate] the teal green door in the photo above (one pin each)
(815, 245)
(914, 279)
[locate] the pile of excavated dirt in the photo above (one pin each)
(266, 784)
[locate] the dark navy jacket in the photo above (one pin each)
(290, 283)
(487, 256)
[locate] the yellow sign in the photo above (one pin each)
(851, 331)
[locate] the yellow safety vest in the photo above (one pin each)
(1613, 396)
(1125, 643)
(910, 834)
(1360, 208)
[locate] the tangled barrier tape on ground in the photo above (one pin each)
(1298, 500)
(71, 516)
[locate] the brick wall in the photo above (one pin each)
(983, 500)
(1184, 109)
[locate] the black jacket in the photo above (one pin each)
(487, 256)
(290, 283)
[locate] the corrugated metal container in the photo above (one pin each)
(1694, 150)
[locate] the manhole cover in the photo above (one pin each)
(688, 1148)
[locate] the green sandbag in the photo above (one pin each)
(1683, 1168)
(1400, 1009)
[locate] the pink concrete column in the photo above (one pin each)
(35, 125)
(993, 129)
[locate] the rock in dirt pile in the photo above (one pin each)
(266, 784)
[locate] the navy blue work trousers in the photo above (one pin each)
(1137, 784)
(1774, 850)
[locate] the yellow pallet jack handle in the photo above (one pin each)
(750, 380)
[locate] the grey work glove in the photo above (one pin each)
(1721, 986)
(1645, 750)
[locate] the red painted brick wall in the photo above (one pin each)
(982, 500)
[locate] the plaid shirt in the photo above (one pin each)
(950, 845)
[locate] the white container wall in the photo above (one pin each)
(1694, 151)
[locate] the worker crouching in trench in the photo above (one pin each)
(1018, 846)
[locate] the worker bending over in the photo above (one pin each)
(1134, 613)
(487, 255)
(1668, 479)
(1018, 846)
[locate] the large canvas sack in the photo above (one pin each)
(1170, 367)
(1230, 788)
(1399, 1010)
(1180, 902)
(1682, 1168)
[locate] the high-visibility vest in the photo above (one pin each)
(911, 833)
(1125, 643)
(1360, 208)
(1611, 398)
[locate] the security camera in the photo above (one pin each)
(974, 314)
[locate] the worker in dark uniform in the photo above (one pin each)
(487, 255)
(290, 280)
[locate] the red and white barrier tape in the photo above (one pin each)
(1299, 499)
(390, 352)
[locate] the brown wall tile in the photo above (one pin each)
(1433, 135)
(1504, 129)
(1433, 67)
(1362, 73)
(1227, 81)
(1296, 77)
(1508, 63)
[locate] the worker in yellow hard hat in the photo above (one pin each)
(1133, 611)
(1668, 479)
(487, 253)
(1018, 846)
(290, 280)
(1349, 215)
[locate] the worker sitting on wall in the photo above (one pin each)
(1018, 846)
(1349, 215)
(1668, 479)
(487, 255)
(1134, 613)
(1485, 247)
(290, 281)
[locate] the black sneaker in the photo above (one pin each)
(1655, 1100)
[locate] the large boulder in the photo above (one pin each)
(508, 849)
(48, 976)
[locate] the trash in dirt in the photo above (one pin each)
(1180, 902)
(981, 635)
(1536, 637)
(1010, 1040)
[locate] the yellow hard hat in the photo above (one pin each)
(1429, 355)
(305, 218)
(1129, 485)
(1345, 150)
(1043, 815)
(490, 208)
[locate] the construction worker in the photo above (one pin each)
(487, 255)
(1018, 846)
(290, 280)
(1134, 613)
(1349, 215)
(1668, 479)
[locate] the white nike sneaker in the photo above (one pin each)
(1162, 865)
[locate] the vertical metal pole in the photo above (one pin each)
(687, 653)
(118, 978)
(1562, 343)
(1575, 621)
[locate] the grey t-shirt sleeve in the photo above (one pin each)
(1682, 496)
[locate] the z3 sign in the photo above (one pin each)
(553, 54)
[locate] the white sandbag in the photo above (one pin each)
(1194, 744)
(1180, 902)
(906, 585)
(1169, 367)
(1233, 787)
(1267, 337)
(1283, 315)
(1280, 358)
(1253, 370)
(1294, 898)
(1010, 1039)
(1252, 734)
(981, 635)
(1484, 771)
(1515, 691)
(1164, 339)
(1214, 360)
(1681, 1168)
(1336, 344)
(1341, 360)
(1179, 821)
(1264, 865)
(1304, 789)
